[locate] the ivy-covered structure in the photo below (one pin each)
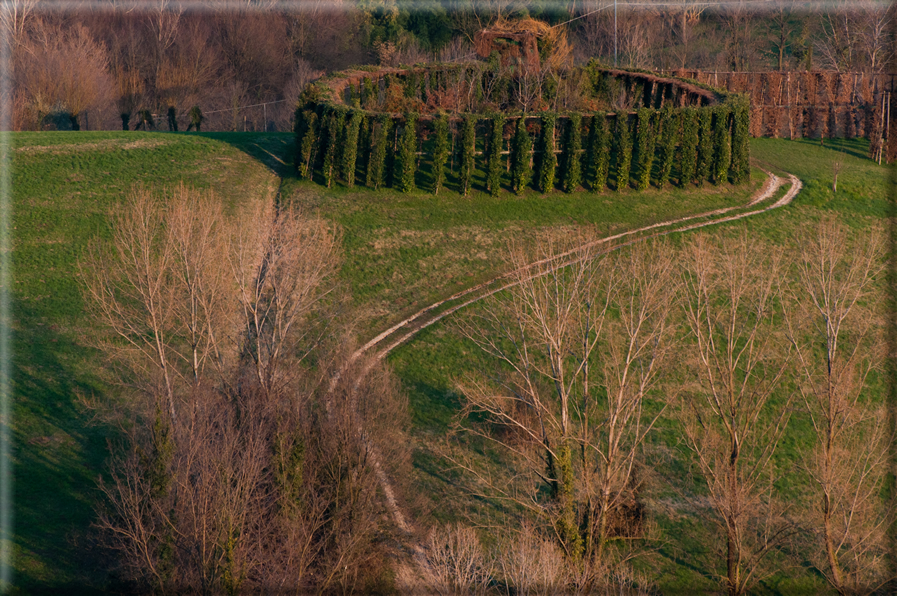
(484, 125)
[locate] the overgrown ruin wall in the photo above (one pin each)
(809, 104)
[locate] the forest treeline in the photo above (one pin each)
(165, 65)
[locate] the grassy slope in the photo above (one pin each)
(428, 365)
(65, 185)
(400, 253)
(403, 252)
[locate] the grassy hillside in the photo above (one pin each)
(65, 185)
(400, 253)
(429, 365)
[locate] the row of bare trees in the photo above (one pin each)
(846, 35)
(723, 342)
(100, 67)
(239, 466)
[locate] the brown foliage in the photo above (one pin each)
(838, 344)
(731, 422)
(60, 70)
(240, 470)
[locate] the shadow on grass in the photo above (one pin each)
(274, 150)
(58, 454)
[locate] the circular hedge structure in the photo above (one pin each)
(589, 127)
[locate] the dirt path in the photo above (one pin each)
(407, 577)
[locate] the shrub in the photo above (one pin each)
(305, 160)
(572, 172)
(740, 169)
(705, 146)
(494, 162)
(722, 155)
(521, 148)
(669, 129)
(335, 121)
(406, 159)
(196, 118)
(350, 147)
(440, 151)
(644, 148)
(688, 152)
(467, 149)
(598, 156)
(623, 150)
(172, 119)
(547, 158)
(379, 139)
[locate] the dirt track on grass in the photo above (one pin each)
(409, 579)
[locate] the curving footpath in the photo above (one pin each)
(411, 326)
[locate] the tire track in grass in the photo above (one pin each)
(420, 321)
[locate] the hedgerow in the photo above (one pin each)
(669, 129)
(440, 151)
(688, 151)
(374, 126)
(521, 148)
(406, 160)
(705, 146)
(572, 173)
(494, 161)
(467, 153)
(599, 152)
(623, 150)
(547, 158)
(350, 147)
(379, 140)
(722, 155)
(644, 149)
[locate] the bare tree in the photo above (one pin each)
(533, 565)
(732, 417)
(456, 561)
(232, 476)
(838, 344)
(571, 388)
(683, 17)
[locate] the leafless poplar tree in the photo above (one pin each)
(837, 342)
(231, 477)
(579, 349)
(733, 417)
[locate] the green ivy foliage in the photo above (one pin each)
(440, 151)
(547, 158)
(572, 170)
(644, 151)
(379, 141)
(705, 146)
(722, 155)
(308, 135)
(350, 147)
(688, 151)
(623, 150)
(335, 121)
(467, 149)
(364, 144)
(598, 155)
(669, 131)
(494, 161)
(406, 160)
(521, 148)
(741, 168)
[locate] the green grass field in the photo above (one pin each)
(429, 365)
(400, 253)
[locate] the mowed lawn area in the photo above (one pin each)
(401, 252)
